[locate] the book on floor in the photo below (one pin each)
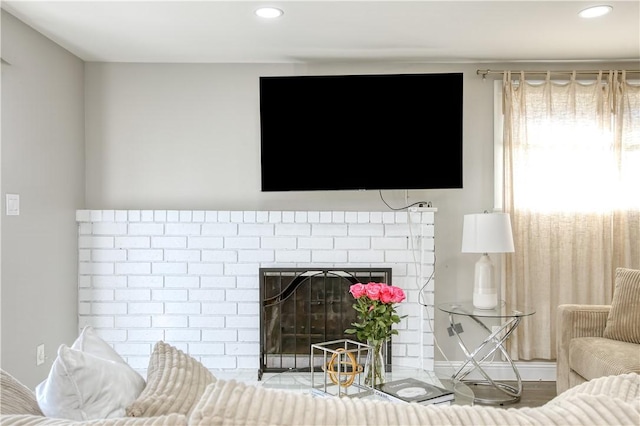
(415, 391)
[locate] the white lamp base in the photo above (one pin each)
(485, 292)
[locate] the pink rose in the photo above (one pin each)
(357, 290)
(398, 295)
(373, 290)
(386, 294)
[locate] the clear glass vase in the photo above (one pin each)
(374, 368)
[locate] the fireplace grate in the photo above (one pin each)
(305, 306)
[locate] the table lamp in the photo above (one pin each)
(486, 233)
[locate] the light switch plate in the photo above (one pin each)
(40, 356)
(13, 204)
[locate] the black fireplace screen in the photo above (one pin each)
(303, 306)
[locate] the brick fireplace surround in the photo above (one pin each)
(190, 278)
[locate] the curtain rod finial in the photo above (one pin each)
(483, 73)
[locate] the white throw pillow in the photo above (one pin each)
(89, 342)
(83, 386)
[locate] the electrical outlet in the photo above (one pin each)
(13, 204)
(422, 207)
(40, 357)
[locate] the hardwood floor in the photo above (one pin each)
(534, 394)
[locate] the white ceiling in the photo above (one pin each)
(312, 31)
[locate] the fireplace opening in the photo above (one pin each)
(304, 306)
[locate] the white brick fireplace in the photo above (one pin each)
(190, 278)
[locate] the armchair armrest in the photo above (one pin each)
(575, 321)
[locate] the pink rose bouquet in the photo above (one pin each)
(376, 310)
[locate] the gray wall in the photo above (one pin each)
(43, 162)
(186, 136)
(175, 136)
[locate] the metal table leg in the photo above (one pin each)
(496, 339)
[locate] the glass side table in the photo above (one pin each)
(510, 316)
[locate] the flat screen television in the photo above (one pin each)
(361, 132)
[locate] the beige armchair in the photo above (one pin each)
(600, 340)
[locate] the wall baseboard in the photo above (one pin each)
(530, 371)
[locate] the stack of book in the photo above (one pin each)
(414, 391)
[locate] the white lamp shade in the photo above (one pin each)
(487, 233)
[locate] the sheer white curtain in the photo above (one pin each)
(572, 188)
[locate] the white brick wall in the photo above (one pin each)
(190, 278)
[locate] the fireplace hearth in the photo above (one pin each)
(304, 306)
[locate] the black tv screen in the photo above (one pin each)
(361, 132)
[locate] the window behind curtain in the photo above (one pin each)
(574, 199)
(577, 176)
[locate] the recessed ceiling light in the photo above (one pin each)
(595, 11)
(269, 12)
